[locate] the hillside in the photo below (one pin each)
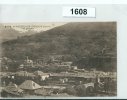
(10, 34)
(77, 39)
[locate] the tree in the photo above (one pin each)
(70, 90)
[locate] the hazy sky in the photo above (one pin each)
(30, 26)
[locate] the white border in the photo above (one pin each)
(32, 13)
(63, 1)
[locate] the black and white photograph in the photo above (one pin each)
(58, 59)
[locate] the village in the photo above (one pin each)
(53, 76)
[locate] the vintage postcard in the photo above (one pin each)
(71, 59)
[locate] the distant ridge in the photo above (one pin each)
(78, 39)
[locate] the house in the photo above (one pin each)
(21, 66)
(12, 90)
(29, 85)
(22, 73)
(42, 75)
(54, 87)
(25, 74)
(28, 63)
(74, 67)
(63, 80)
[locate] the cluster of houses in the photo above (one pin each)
(46, 61)
(23, 83)
(36, 82)
(27, 88)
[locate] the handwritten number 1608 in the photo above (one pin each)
(79, 11)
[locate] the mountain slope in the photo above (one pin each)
(7, 34)
(77, 39)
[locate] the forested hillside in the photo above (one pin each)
(79, 39)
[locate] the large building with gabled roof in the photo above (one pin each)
(29, 85)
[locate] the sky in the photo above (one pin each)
(24, 27)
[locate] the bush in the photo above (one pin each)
(70, 90)
(81, 90)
